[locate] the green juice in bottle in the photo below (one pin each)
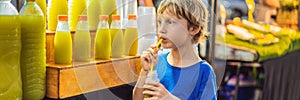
(10, 49)
(131, 37)
(33, 54)
(63, 42)
(117, 38)
(82, 40)
(103, 40)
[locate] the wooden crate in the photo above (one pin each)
(63, 81)
(82, 77)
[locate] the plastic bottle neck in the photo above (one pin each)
(131, 24)
(116, 24)
(6, 8)
(31, 8)
(103, 24)
(82, 25)
(63, 26)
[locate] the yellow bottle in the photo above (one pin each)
(10, 49)
(109, 7)
(131, 36)
(55, 8)
(63, 42)
(93, 12)
(117, 39)
(42, 5)
(82, 40)
(103, 40)
(76, 8)
(33, 55)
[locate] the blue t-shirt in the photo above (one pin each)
(194, 82)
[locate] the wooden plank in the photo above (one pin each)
(49, 47)
(52, 82)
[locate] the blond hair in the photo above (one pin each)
(194, 11)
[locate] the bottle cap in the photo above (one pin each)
(115, 17)
(62, 17)
(131, 16)
(82, 17)
(103, 17)
(30, 0)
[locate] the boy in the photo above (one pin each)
(183, 75)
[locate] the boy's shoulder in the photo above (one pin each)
(204, 65)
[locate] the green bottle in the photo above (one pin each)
(33, 53)
(10, 49)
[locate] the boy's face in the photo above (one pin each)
(172, 30)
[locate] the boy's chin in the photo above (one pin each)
(167, 46)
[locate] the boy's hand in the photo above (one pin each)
(157, 91)
(148, 57)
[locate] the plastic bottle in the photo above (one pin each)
(151, 77)
(33, 54)
(130, 8)
(10, 43)
(63, 42)
(55, 8)
(76, 8)
(131, 36)
(103, 39)
(82, 40)
(117, 38)
(93, 12)
(147, 32)
(42, 5)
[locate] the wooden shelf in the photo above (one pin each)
(63, 81)
(82, 77)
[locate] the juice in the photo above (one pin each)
(93, 13)
(109, 7)
(55, 8)
(103, 44)
(33, 57)
(82, 45)
(10, 43)
(117, 41)
(131, 41)
(42, 5)
(63, 48)
(76, 8)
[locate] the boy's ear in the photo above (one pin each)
(194, 30)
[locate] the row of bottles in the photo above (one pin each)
(122, 44)
(22, 45)
(91, 8)
(22, 40)
(110, 42)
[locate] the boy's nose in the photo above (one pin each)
(162, 29)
